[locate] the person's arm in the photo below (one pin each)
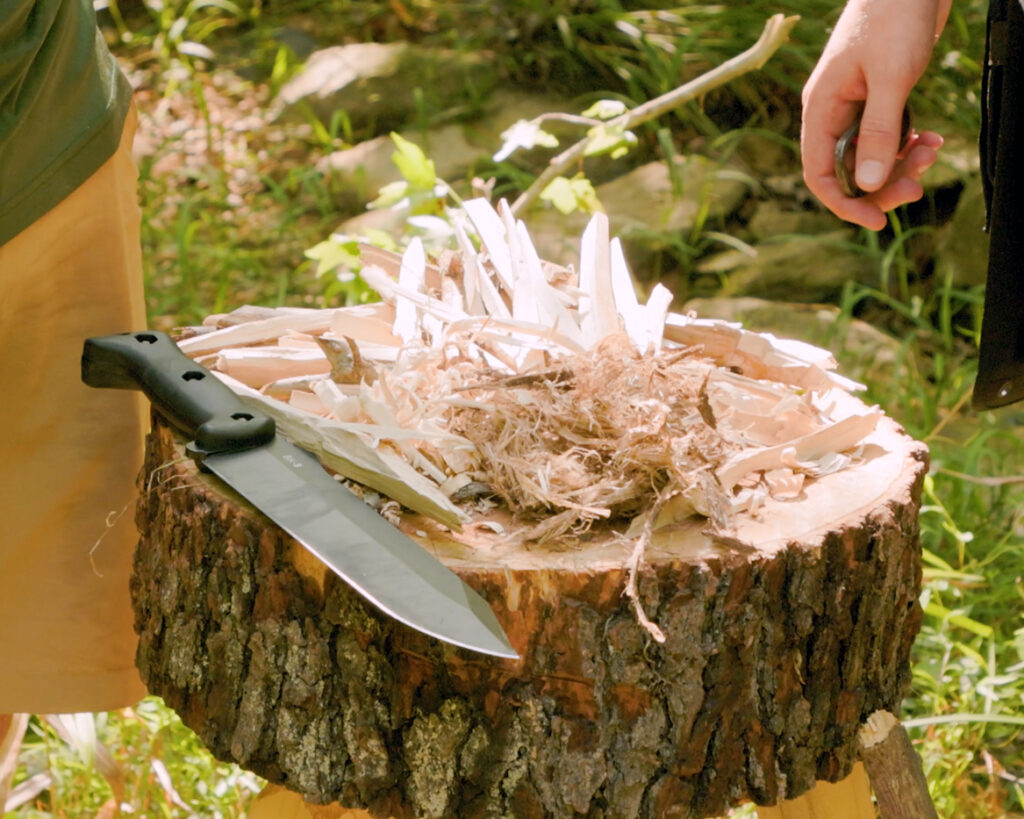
(876, 54)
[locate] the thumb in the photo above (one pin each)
(878, 140)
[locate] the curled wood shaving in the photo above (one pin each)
(568, 398)
(265, 328)
(632, 591)
(800, 452)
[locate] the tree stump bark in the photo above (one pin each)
(780, 640)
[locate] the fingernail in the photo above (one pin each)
(870, 173)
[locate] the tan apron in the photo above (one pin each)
(69, 454)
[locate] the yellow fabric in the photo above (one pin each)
(69, 454)
(275, 802)
(849, 798)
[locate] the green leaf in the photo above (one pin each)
(390, 195)
(559, 193)
(224, 5)
(609, 139)
(959, 620)
(606, 109)
(569, 195)
(331, 254)
(380, 238)
(929, 557)
(413, 164)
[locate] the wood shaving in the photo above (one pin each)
(556, 393)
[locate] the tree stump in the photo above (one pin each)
(779, 641)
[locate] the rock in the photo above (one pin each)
(507, 106)
(958, 161)
(556, 235)
(383, 84)
(864, 353)
(811, 268)
(644, 209)
(772, 218)
(961, 246)
(790, 186)
(644, 201)
(302, 43)
(387, 220)
(361, 171)
(765, 154)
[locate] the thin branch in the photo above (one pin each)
(572, 119)
(982, 480)
(775, 33)
(953, 413)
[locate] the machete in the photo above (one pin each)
(288, 484)
(1001, 352)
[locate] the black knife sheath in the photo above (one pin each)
(1001, 360)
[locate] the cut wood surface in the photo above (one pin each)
(895, 769)
(711, 623)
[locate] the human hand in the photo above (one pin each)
(876, 54)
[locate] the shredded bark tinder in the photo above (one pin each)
(491, 377)
(601, 436)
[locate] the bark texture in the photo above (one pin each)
(771, 663)
(895, 770)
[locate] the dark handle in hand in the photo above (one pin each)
(844, 159)
(188, 395)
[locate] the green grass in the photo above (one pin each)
(229, 225)
(141, 760)
(966, 707)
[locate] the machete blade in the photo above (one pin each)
(378, 560)
(240, 445)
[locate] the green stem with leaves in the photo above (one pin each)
(776, 32)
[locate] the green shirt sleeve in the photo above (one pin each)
(63, 102)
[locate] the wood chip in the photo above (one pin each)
(564, 395)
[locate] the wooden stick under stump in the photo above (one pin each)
(894, 769)
(12, 729)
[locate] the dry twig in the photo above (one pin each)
(776, 32)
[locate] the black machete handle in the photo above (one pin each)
(188, 395)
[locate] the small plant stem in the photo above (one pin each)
(574, 119)
(949, 416)
(775, 33)
(983, 480)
